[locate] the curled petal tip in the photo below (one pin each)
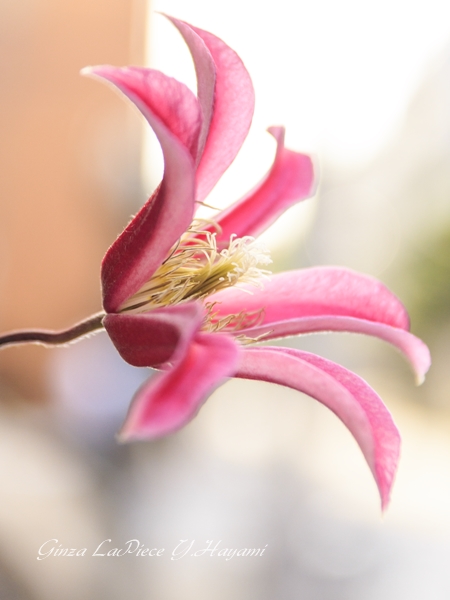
(277, 131)
(87, 71)
(97, 71)
(419, 378)
(385, 502)
(127, 436)
(121, 438)
(357, 405)
(310, 163)
(421, 362)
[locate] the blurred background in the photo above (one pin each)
(364, 87)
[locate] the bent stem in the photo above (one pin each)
(53, 338)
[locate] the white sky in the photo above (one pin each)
(338, 74)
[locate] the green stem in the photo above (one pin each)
(53, 338)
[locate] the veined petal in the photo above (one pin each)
(227, 101)
(346, 394)
(152, 338)
(326, 299)
(172, 398)
(157, 96)
(411, 346)
(205, 70)
(317, 291)
(174, 114)
(290, 179)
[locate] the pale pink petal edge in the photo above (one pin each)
(411, 346)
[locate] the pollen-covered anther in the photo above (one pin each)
(196, 269)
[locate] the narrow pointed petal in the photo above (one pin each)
(153, 338)
(290, 180)
(343, 392)
(205, 70)
(317, 291)
(411, 346)
(227, 102)
(174, 115)
(326, 299)
(172, 398)
(158, 97)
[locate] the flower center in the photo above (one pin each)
(196, 268)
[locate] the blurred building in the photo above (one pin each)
(68, 164)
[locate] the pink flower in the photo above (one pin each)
(173, 287)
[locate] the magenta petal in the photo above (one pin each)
(206, 76)
(228, 106)
(412, 347)
(290, 179)
(152, 338)
(171, 399)
(326, 299)
(147, 240)
(158, 97)
(346, 394)
(318, 291)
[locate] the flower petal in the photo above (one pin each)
(205, 69)
(290, 179)
(317, 291)
(411, 346)
(346, 394)
(171, 399)
(174, 114)
(152, 338)
(158, 97)
(227, 103)
(326, 299)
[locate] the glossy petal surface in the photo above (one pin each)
(343, 392)
(147, 240)
(172, 398)
(290, 179)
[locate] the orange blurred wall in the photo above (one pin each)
(66, 153)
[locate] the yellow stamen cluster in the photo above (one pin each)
(196, 268)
